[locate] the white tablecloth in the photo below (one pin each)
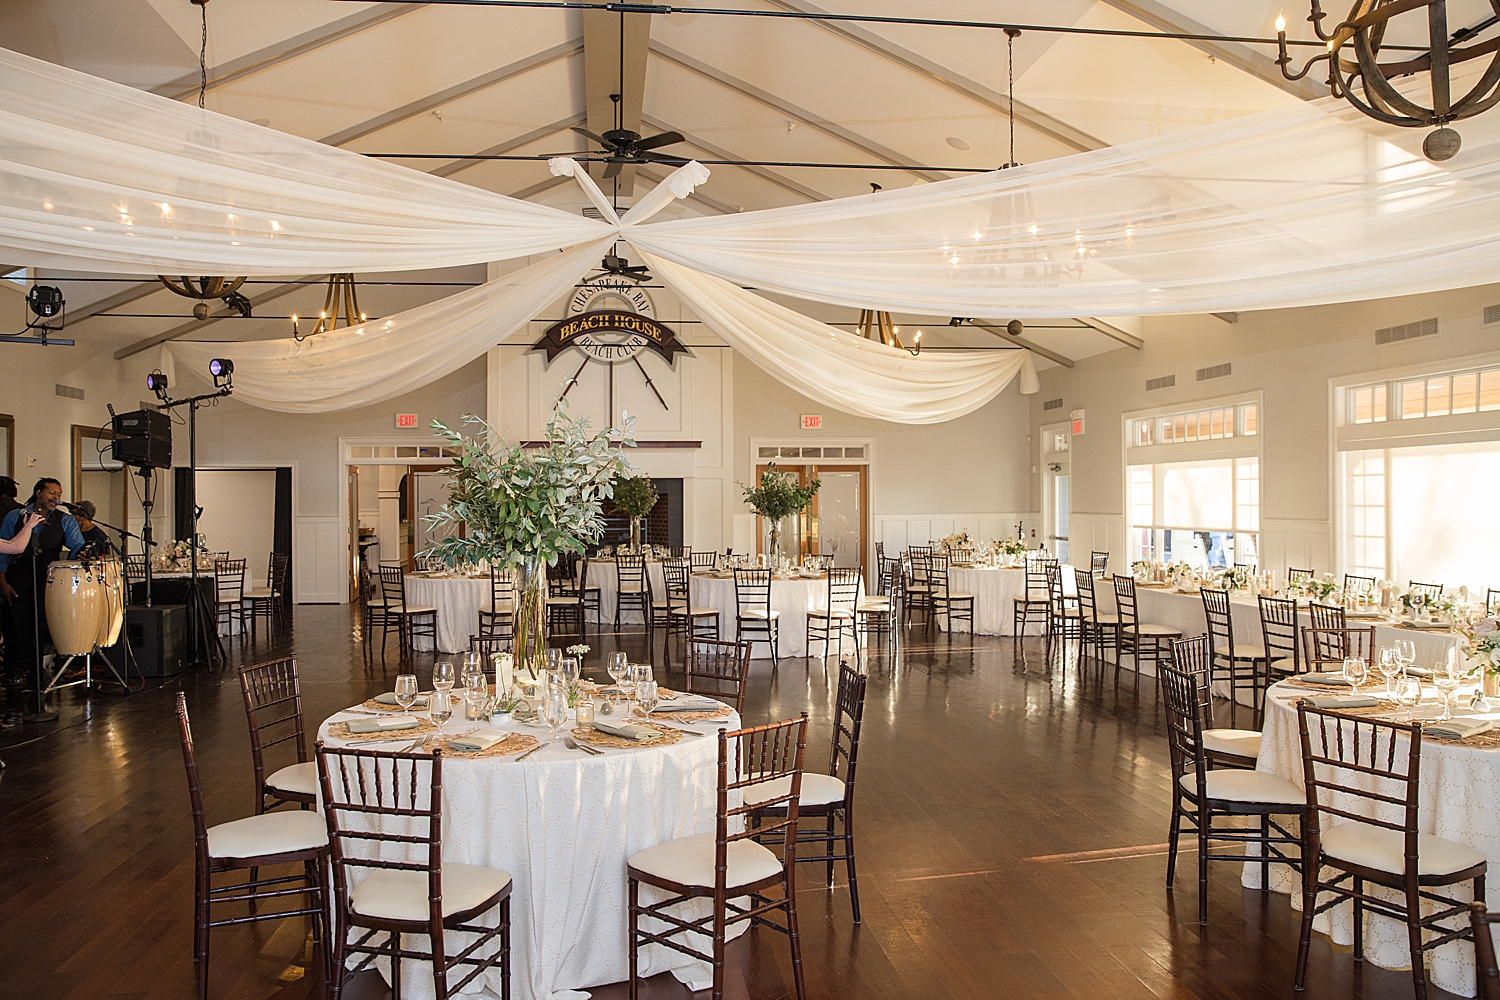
(603, 574)
(457, 600)
(994, 592)
(1460, 800)
(794, 598)
(563, 824)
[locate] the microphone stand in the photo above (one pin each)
(42, 714)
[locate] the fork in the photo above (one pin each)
(573, 744)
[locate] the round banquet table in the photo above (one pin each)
(994, 591)
(1460, 800)
(602, 575)
(794, 597)
(563, 823)
(457, 600)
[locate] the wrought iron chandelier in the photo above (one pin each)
(342, 297)
(209, 287)
(1367, 83)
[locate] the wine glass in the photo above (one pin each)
(1418, 602)
(1390, 666)
(569, 671)
(476, 686)
(406, 691)
(472, 662)
(555, 709)
(1408, 694)
(1407, 649)
(1354, 672)
(618, 663)
(554, 659)
(442, 676)
(646, 696)
(1446, 678)
(440, 709)
(638, 674)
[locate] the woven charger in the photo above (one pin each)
(722, 712)
(595, 737)
(340, 731)
(514, 743)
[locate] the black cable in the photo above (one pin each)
(203, 56)
(671, 161)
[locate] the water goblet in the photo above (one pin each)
(1407, 650)
(442, 676)
(1408, 694)
(1354, 672)
(440, 709)
(554, 659)
(1390, 666)
(618, 663)
(406, 691)
(569, 670)
(1446, 679)
(555, 710)
(646, 697)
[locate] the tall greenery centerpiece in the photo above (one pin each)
(778, 496)
(635, 495)
(523, 508)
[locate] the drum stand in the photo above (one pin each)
(88, 673)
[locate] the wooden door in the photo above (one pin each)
(794, 539)
(839, 516)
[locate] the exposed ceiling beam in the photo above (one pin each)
(614, 65)
(123, 297)
(720, 153)
(790, 110)
(258, 299)
(1112, 331)
(1033, 118)
(1230, 318)
(288, 48)
(1236, 54)
(432, 102)
(1006, 335)
(533, 190)
(524, 139)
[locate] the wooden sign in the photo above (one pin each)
(611, 335)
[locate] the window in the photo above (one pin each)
(1206, 513)
(1473, 391)
(1213, 424)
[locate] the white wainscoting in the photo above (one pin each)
(1098, 533)
(898, 531)
(1303, 544)
(318, 572)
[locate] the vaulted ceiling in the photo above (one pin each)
(896, 104)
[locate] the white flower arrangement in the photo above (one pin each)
(1481, 641)
(578, 650)
(957, 540)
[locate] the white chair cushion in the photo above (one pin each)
(633, 588)
(954, 597)
(873, 604)
(412, 609)
(503, 608)
(402, 895)
(1239, 742)
(817, 789)
(268, 833)
(835, 613)
(1149, 629)
(573, 599)
(1248, 786)
(690, 861)
(1382, 849)
(696, 612)
(1285, 665)
(1107, 619)
(1243, 651)
(259, 593)
(758, 613)
(300, 778)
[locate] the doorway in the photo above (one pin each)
(836, 523)
(1057, 440)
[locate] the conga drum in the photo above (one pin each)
(110, 576)
(75, 606)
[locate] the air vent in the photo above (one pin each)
(1492, 314)
(1165, 382)
(68, 391)
(1217, 371)
(590, 212)
(1411, 331)
(1052, 404)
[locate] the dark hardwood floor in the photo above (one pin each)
(1010, 821)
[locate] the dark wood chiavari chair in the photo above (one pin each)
(1100, 631)
(682, 617)
(273, 708)
(918, 590)
(383, 806)
(679, 551)
(1278, 632)
(1294, 575)
(952, 606)
(1354, 772)
(489, 645)
(1064, 616)
(1243, 665)
(881, 613)
(1249, 569)
(828, 623)
(1203, 794)
(724, 866)
(499, 617)
(753, 612)
(1137, 637)
(1354, 584)
(718, 669)
(631, 591)
(270, 600)
(830, 795)
(1492, 602)
(1326, 616)
(1230, 747)
(264, 840)
(229, 593)
(566, 584)
(410, 620)
(1327, 648)
(1036, 600)
(703, 562)
(1431, 591)
(1486, 971)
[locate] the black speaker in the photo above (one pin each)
(142, 438)
(158, 638)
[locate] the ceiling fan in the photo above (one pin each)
(622, 268)
(625, 146)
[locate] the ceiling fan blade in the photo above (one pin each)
(597, 138)
(613, 170)
(664, 157)
(665, 139)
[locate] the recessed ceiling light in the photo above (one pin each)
(957, 143)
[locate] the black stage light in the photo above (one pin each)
(220, 367)
(46, 301)
(157, 383)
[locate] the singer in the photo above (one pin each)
(25, 574)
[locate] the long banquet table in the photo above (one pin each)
(794, 597)
(563, 823)
(1460, 801)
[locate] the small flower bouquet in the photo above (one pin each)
(1481, 644)
(578, 650)
(957, 540)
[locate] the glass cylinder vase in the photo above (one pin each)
(774, 543)
(530, 620)
(637, 530)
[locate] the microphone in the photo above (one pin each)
(69, 506)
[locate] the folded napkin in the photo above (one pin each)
(1326, 677)
(1423, 672)
(382, 725)
(479, 739)
(689, 704)
(1458, 729)
(1343, 701)
(628, 730)
(389, 698)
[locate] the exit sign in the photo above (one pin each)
(406, 421)
(1077, 417)
(812, 421)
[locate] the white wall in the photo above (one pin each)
(239, 516)
(1288, 355)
